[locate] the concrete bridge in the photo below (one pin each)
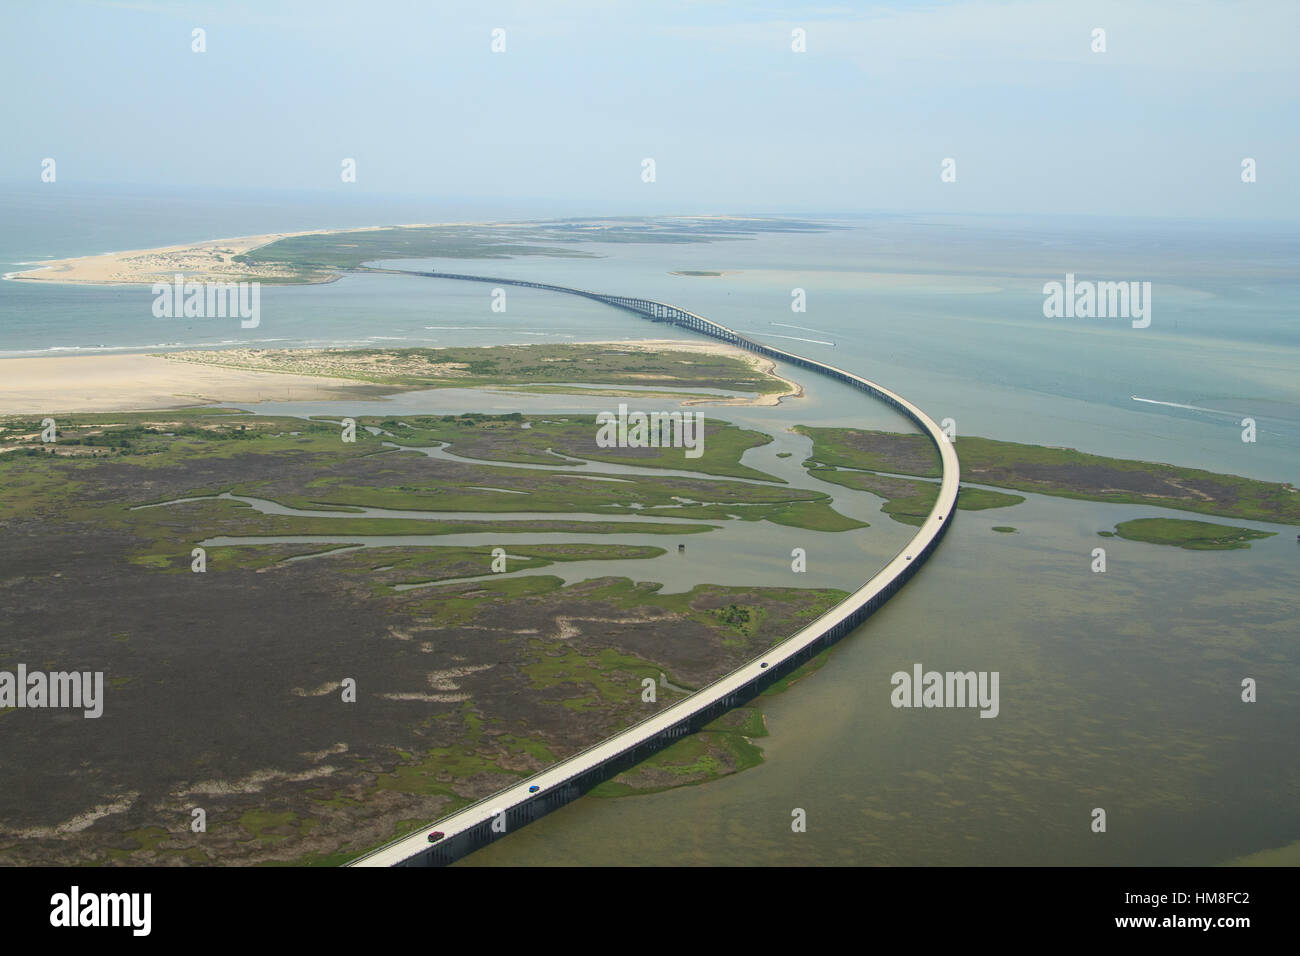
(519, 804)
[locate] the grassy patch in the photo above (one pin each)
(1193, 535)
(479, 366)
(589, 679)
(908, 501)
(387, 567)
(799, 673)
(695, 759)
(323, 256)
(272, 826)
(1061, 472)
(721, 748)
(981, 499)
(531, 440)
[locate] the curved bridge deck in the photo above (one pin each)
(468, 829)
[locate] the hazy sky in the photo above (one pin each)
(735, 119)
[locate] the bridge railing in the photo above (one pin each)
(833, 623)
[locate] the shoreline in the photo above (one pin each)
(158, 381)
(199, 261)
(70, 384)
(211, 259)
(764, 365)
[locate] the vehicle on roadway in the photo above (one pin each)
(436, 835)
(832, 625)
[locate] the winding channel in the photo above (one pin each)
(508, 809)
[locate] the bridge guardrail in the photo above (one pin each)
(826, 629)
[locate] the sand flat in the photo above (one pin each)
(211, 259)
(49, 385)
(197, 261)
(112, 383)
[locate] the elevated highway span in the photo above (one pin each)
(521, 803)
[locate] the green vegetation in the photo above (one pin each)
(806, 669)
(161, 548)
(457, 605)
(640, 394)
(471, 367)
(526, 440)
(457, 772)
(270, 826)
(870, 450)
(814, 515)
(569, 659)
(85, 477)
(232, 452)
(695, 759)
(588, 680)
(388, 566)
(722, 747)
(146, 840)
(327, 482)
(438, 771)
(981, 499)
(910, 502)
(773, 613)
(1062, 472)
(734, 617)
(91, 476)
(321, 257)
(340, 858)
(1193, 535)
(249, 557)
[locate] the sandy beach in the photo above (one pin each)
(172, 380)
(111, 383)
(115, 383)
(211, 259)
(198, 261)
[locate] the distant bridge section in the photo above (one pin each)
(466, 830)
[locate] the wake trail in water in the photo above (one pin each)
(1194, 408)
(802, 328)
(796, 338)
